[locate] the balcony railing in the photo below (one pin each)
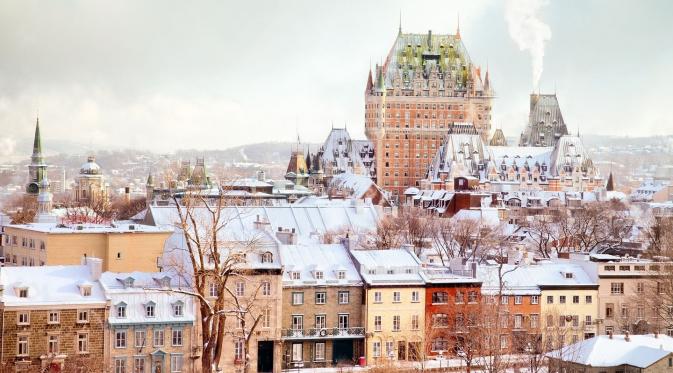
(323, 333)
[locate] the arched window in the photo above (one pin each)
(267, 257)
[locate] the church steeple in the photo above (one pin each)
(37, 142)
(37, 170)
(458, 28)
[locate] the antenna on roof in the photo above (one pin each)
(399, 30)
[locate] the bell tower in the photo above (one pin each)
(37, 169)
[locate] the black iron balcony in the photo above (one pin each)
(324, 333)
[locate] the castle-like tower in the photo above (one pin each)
(37, 170)
(427, 83)
(545, 121)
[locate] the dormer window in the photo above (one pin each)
(569, 275)
(150, 309)
(121, 310)
(341, 275)
(267, 257)
(390, 272)
(319, 275)
(295, 275)
(128, 282)
(85, 290)
(22, 292)
(178, 309)
(165, 282)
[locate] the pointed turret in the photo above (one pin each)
(487, 81)
(399, 30)
(370, 84)
(37, 140)
(458, 28)
(610, 185)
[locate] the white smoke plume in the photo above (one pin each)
(7, 146)
(528, 31)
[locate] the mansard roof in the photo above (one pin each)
(545, 121)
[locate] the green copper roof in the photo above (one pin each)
(37, 141)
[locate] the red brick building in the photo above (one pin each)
(451, 301)
(426, 83)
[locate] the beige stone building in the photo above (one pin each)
(322, 312)
(123, 247)
(151, 326)
(90, 187)
(53, 318)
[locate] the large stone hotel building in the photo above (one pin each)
(426, 83)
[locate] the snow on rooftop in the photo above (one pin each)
(602, 351)
(56, 228)
(385, 267)
(318, 265)
(50, 285)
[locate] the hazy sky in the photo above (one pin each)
(162, 75)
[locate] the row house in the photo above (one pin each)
(623, 284)
(511, 292)
(53, 318)
(451, 302)
(394, 305)
(151, 323)
(322, 305)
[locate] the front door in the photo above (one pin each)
(342, 351)
(157, 366)
(401, 350)
(265, 356)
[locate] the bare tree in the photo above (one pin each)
(213, 266)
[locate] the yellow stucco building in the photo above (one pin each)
(568, 304)
(123, 247)
(394, 305)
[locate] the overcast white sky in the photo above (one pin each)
(162, 75)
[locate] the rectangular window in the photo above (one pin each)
(266, 318)
(344, 321)
(212, 290)
(562, 299)
(140, 337)
(120, 339)
(587, 320)
(266, 288)
(376, 349)
(52, 344)
(320, 321)
(377, 323)
(343, 297)
(297, 298)
(390, 348)
(238, 349)
(121, 311)
(319, 354)
(534, 299)
(82, 343)
(149, 310)
(588, 299)
(120, 365)
(550, 299)
(534, 321)
(24, 318)
(518, 321)
(576, 299)
(460, 297)
(640, 288)
(518, 299)
(377, 297)
(617, 288)
(22, 345)
(178, 310)
(609, 310)
(550, 321)
(414, 322)
(240, 288)
(396, 323)
(397, 298)
(82, 316)
(297, 352)
(297, 322)
(471, 297)
(320, 298)
(139, 365)
(176, 363)
(177, 337)
(415, 296)
(158, 338)
(54, 317)
(503, 341)
(504, 299)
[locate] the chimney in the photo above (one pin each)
(286, 236)
(474, 269)
(95, 267)
(127, 194)
(626, 336)
(610, 334)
